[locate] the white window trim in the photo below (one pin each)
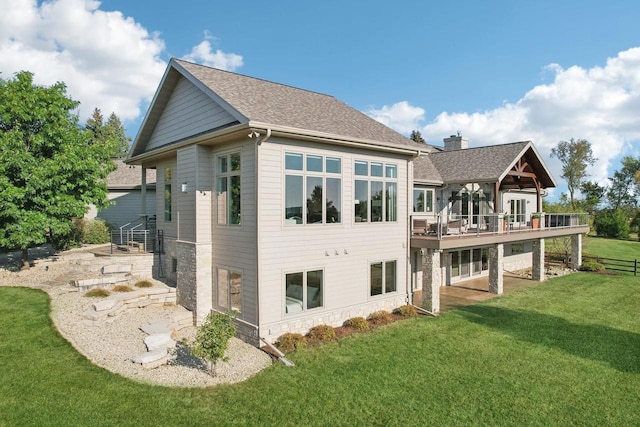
(228, 175)
(304, 289)
(369, 179)
(384, 284)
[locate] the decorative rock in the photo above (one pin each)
(158, 341)
(152, 359)
(105, 304)
(116, 268)
(158, 326)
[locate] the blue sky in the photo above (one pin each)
(498, 71)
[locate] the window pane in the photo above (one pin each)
(315, 199)
(293, 199)
(389, 276)
(334, 165)
(391, 171)
(455, 264)
(376, 169)
(418, 200)
(221, 188)
(376, 278)
(429, 201)
(314, 289)
(391, 214)
(223, 288)
(235, 162)
(334, 200)
(167, 194)
(376, 201)
(293, 161)
(361, 198)
(293, 291)
(314, 163)
(235, 289)
(222, 165)
(234, 211)
(362, 168)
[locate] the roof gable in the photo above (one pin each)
(257, 102)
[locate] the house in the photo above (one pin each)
(294, 209)
(125, 187)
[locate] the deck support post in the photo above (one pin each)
(431, 279)
(537, 265)
(496, 265)
(576, 251)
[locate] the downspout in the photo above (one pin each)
(259, 141)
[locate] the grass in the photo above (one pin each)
(565, 352)
(611, 248)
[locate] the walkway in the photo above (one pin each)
(476, 290)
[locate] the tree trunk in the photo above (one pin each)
(25, 259)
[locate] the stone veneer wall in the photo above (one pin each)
(333, 318)
(432, 279)
(496, 267)
(194, 278)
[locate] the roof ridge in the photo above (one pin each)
(253, 78)
(481, 147)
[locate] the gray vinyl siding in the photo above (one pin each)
(344, 251)
(234, 246)
(127, 207)
(188, 112)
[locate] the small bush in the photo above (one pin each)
(406, 311)
(94, 231)
(122, 288)
(381, 317)
(213, 338)
(144, 284)
(97, 293)
(357, 323)
(290, 342)
(322, 333)
(592, 266)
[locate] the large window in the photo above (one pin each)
(167, 194)
(422, 200)
(313, 189)
(303, 290)
(228, 188)
(375, 192)
(518, 210)
(229, 290)
(382, 277)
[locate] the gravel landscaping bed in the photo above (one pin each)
(113, 344)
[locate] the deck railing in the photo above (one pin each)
(450, 226)
(135, 236)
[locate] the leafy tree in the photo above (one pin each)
(417, 137)
(50, 171)
(575, 156)
(612, 223)
(213, 338)
(110, 132)
(625, 184)
(593, 195)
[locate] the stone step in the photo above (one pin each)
(153, 359)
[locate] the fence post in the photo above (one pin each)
(635, 267)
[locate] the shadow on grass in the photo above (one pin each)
(618, 348)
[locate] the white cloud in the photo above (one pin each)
(106, 59)
(400, 116)
(600, 104)
(203, 54)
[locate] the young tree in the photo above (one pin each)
(417, 137)
(575, 156)
(213, 338)
(50, 171)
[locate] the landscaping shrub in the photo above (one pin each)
(381, 317)
(144, 284)
(612, 223)
(213, 338)
(406, 311)
(94, 231)
(290, 342)
(322, 333)
(357, 323)
(593, 266)
(97, 292)
(122, 288)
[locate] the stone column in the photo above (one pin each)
(537, 269)
(496, 266)
(576, 251)
(431, 279)
(194, 278)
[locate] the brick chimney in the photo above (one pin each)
(456, 142)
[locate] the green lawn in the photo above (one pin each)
(611, 248)
(565, 352)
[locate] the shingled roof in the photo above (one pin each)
(481, 164)
(129, 177)
(266, 102)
